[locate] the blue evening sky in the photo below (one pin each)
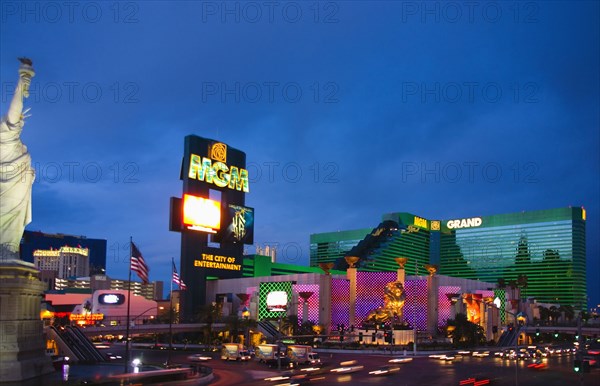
(346, 109)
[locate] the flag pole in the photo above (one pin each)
(171, 312)
(128, 308)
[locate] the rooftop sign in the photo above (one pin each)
(464, 223)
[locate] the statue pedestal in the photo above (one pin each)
(22, 346)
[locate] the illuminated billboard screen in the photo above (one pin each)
(112, 299)
(238, 225)
(201, 214)
(277, 301)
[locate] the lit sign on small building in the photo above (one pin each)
(86, 317)
(57, 252)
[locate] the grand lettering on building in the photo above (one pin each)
(464, 223)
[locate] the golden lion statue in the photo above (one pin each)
(393, 303)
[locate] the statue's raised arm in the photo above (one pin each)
(16, 174)
(14, 117)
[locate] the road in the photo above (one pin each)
(421, 371)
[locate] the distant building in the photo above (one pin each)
(331, 246)
(57, 264)
(150, 291)
(37, 240)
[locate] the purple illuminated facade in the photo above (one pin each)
(445, 304)
(415, 307)
(340, 299)
(313, 302)
(369, 292)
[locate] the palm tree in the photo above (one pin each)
(209, 314)
(289, 325)
(501, 283)
(303, 330)
(568, 311)
(544, 314)
(585, 316)
(233, 325)
(164, 316)
(554, 314)
(466, 333)
(522, 285)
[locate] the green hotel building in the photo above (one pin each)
(542, 252)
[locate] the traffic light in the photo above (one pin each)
(556, 333)
(577, 366)
(537, 332)
(388, 336)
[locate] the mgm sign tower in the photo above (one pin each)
(211, 209)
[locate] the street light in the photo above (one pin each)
(246, 316)
(277, 302)
(496, 304)
(136, 365)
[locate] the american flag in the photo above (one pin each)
(177, 280)
(138, 265)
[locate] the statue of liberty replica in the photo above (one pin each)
(16, 174)
(22, 345)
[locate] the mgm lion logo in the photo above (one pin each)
(393, 302)
(218, 152)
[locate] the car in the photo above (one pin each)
(347, 367)
(199, 358)
(385, 370)
(400, 360)
(443, 357)
(112, 356)
(524, 355)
